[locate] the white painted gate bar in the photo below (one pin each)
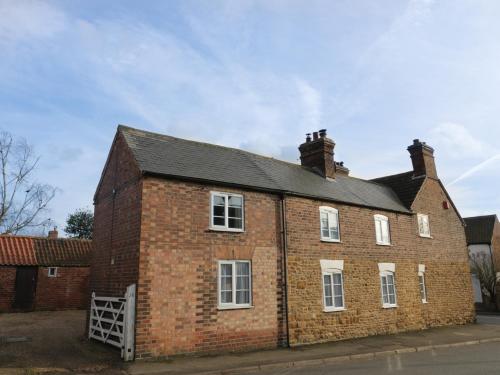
(112, 321)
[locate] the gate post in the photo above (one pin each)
(129, 324)
(91, 314)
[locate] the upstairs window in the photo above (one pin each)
(421, 283)
(424, 228)
(226, 212)
(329, 220)
(382, 231)
(235, 286)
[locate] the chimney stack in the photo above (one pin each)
(422, 158)
(53, 234)
(317, 154)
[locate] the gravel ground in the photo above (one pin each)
(52, 340)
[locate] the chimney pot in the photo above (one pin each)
(308, 137)
(315, 136)
(322, 133)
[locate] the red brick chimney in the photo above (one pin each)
(422, 158)
(53, 233)
(317, 154)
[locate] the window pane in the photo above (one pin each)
(337, 278)
(219, 211)
(327, 290)
(385, 231)
(339, 301)
(219, 201)
(235, 201)
(235, 223)
(235, 212)
(219, 221)
(226, 297)
(324, 225)
(392, 299)
(378, 230)
(242, 268)
(226, 269)
(337, 290)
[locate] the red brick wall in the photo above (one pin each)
(495, 245)
(177, 297)
(445, 258)
(7, 285)
(68, 290)
(116, 233)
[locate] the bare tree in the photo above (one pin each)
(22, 201)
(481, 264)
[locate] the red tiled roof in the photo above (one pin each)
(42, 251)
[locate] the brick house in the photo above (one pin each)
(40, 273)
(235, 251)
(483, 240)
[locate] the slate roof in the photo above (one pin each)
(180, 158)
(479, 229)
(404, 185)
(42, 251)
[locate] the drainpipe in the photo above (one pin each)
(284, 270)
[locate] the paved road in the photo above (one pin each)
(481, 359)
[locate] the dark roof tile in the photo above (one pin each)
(404, 185)
(479, 229)
(180, 158)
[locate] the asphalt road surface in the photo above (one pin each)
(465, 360)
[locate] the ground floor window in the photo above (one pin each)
(388, 289)
(235, 284)
(421, 283)
(333, 291)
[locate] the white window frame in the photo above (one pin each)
(386, 269)
(382, 220)
(421, 274)
(233, 305)
(225, 227)
(422, 217)
(50, 273)
(333, 307)
(329, 211)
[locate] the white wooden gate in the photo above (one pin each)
(112, 321)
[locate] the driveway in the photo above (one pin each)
(52, 340)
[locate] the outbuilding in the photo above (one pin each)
(43, 273)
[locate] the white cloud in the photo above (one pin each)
(458, 142)
(23, 19)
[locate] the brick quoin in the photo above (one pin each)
(155, 232)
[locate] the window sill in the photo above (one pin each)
(422, 236)
(424, 302)
(235, 307)
(327, 310)
(328, 240)
(215, 229)
(383, 244)
(389, 306)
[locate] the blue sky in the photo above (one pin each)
(257, 75)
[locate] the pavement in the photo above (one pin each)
(487, 331)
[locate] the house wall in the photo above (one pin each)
(446, 258)
(117, 214)
(177, 297)
(67, 290)
(449, 292)
(495, 245)
(7, 287)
